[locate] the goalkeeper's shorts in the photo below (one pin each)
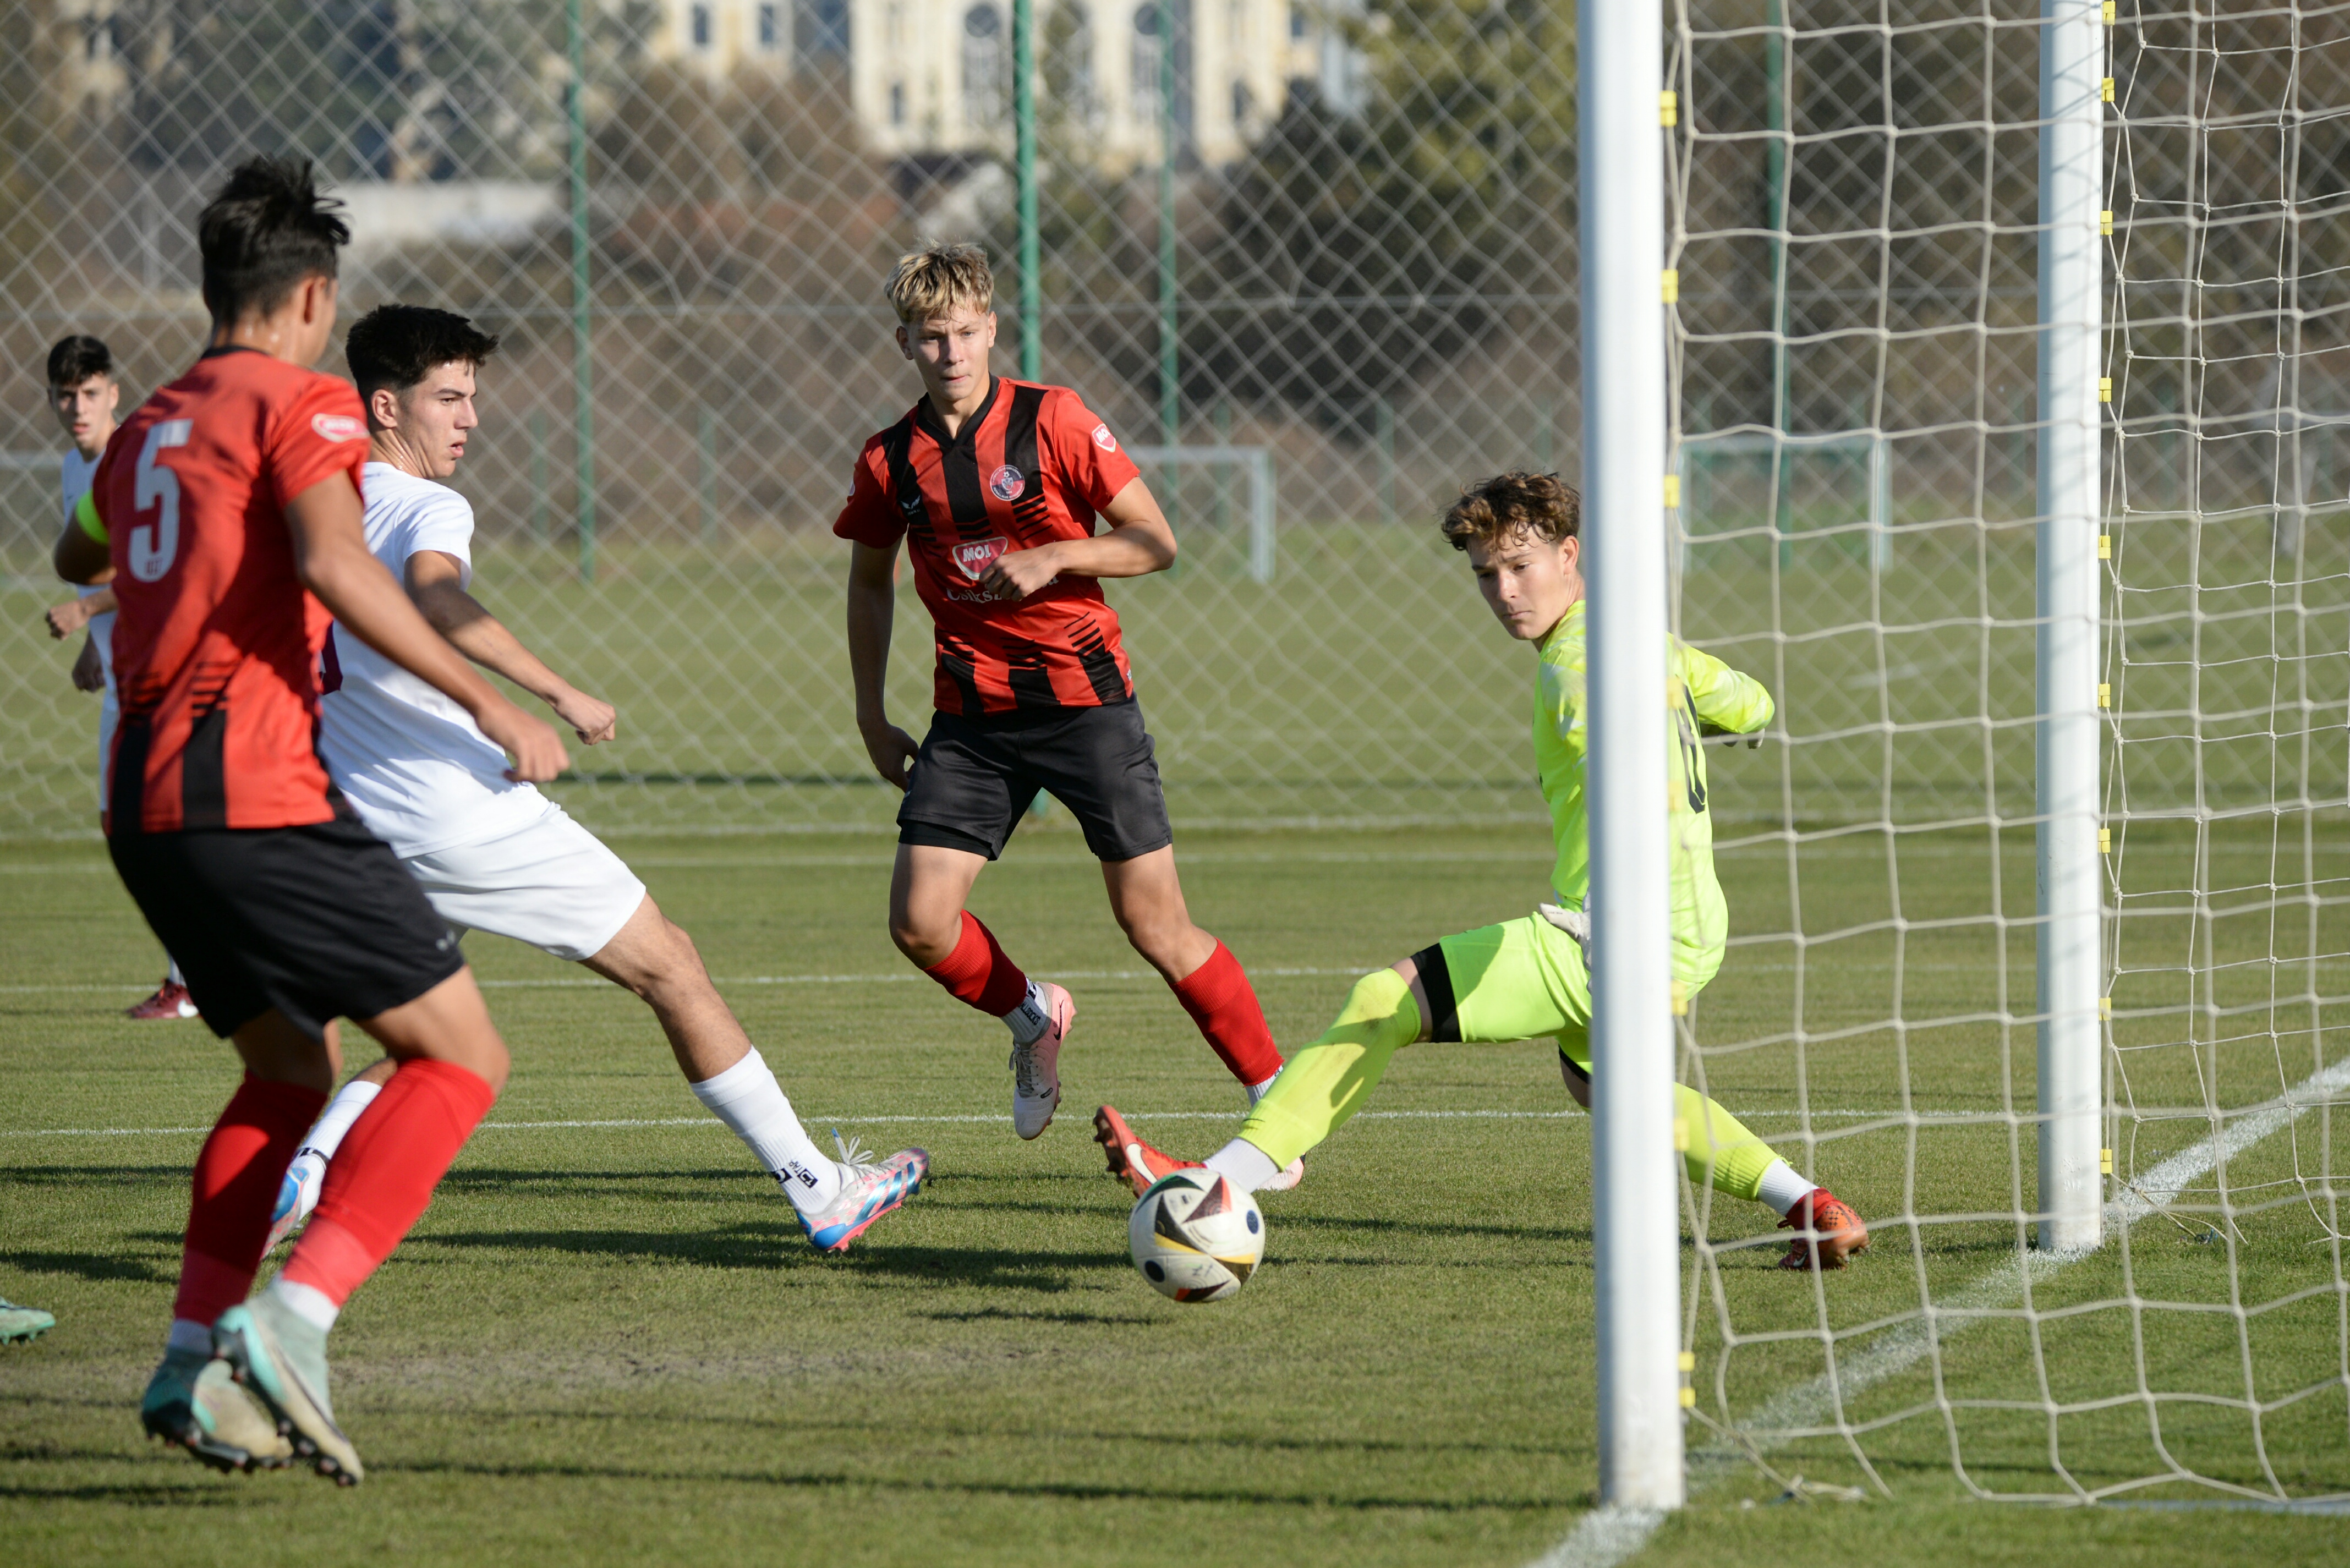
(1521, 980)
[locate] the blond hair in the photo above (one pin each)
(939, 279)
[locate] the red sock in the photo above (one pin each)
(384, 1174)
(979, 973)
(236, 1186)
(1223, 1004)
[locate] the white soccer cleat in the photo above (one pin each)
(1291, 1174)
(869, 1188)
(1036, 1066)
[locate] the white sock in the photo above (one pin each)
(1244, 1165)
(1030, 1019)
(307, 1303)
(327, 1133)
(1256, 1091)
(187, 1334)
(1782, 1189)
(747, 1098)
(172, 976)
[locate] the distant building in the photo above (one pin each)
(935, 75)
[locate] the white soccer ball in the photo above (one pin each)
(1196, 1237)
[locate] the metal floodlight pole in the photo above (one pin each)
(2071, 869)
(1635, 1181)
(1024, 124)
(583, 358)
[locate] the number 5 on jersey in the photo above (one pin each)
(153, 546)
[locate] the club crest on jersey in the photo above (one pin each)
(1104, 440)
(1006, 484)
(338, 426)
(972, 559)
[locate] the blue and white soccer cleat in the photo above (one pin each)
(192, 1402)
(297, 1196)
(22, 1324)
(869, 1188)
(280, 1360)
(1036, 1066)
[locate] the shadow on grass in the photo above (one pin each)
(89, 1266)
(1072, 1491)
(785, 1250)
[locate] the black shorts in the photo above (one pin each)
(976, 776)
(319, 922)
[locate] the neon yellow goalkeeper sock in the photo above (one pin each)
(1327, 1082)
(1718, 1147)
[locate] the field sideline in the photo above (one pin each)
(607, 1341)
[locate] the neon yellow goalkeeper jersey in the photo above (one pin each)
(1704, 692)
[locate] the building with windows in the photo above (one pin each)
(929, 77)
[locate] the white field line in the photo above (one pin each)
(949, 1120)
(891, 978)
(1608, 1536)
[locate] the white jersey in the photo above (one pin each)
(420, 771)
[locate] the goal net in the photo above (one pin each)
(1857, 223)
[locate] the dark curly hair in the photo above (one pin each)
(268, 231)
(1491, 510)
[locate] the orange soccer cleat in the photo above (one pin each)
(1828, 1230)
(1131, 1161)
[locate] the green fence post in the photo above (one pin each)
(1170, 366)
(706, 439)
(1023, 122)
(583, 370)
(538, 476)
(1384, 428)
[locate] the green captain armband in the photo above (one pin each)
(87, 518)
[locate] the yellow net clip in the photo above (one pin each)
(2104, 693)
(2110, 9)
(1689, 1397)
(2105, 388)
(2104, 841)
(1689, 1361)
(1680, 1134)
(2106, 90)
(2105, 546)
(1668, 109)
(2105, 222)
(2105, 1007)
(2105, 1162)
(1673, 286)
(1672, 489)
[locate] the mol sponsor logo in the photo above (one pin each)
(973, 560)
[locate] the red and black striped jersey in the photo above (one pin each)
(1032, 465)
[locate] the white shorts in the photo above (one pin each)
(550, 883)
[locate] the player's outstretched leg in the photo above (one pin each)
(451, 1065)
(1324, 1084)
(836, 1201)
(1721, 1150)
(930, 926)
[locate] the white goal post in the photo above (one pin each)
(1257, 461)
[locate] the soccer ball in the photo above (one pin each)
(1196, 1237)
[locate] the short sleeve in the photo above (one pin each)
(445, 524)
(1092, 463)
(868, 516)
(321, 433)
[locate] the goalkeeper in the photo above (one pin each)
(1530, 977)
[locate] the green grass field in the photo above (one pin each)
(608, 1343)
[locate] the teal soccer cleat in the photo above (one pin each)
(193, 1404)
(282, 1361)
(21, 1324)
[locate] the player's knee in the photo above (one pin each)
(927, 942)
